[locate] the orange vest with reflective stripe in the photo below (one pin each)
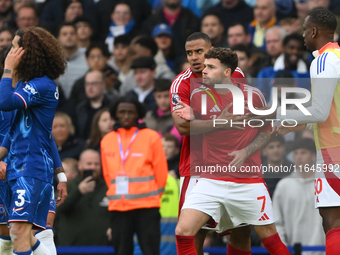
(146, 167)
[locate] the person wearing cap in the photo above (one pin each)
(144, 72)
(162, 34)
(293, 201)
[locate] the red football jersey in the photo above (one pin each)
(181, 89)
(217, 144)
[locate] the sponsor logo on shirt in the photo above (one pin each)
(137, 155)
(29, 89)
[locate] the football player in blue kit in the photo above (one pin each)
(36, 59)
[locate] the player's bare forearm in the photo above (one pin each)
(3, 153)
(59, 170)
(258, 143)
(7, 73)
(192, 127)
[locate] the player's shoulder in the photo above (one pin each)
(182, 79)
(326, 59)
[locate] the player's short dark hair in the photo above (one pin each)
(305, 143)
(284, 77)
(323, 18)
(43, 55)
(66, 24)
(242, 48)
(213, 13)
(197, 36)
(83, 19)
(162, 85)
(237, 23)
(171, 138)
(122, 39)
(225, 55)
(295, 37)
(141, 110)
(102, 46)
(148, 42)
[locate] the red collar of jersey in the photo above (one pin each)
(329, 45)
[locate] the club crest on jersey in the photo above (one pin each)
(175, 99)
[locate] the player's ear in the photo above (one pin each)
(314, 32)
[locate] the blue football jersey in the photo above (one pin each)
(5, 123)
(29, 138)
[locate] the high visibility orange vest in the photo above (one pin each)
(146, 167)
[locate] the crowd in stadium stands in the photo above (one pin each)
(136, 48)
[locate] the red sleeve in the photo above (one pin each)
(179, 91)
(238, 76)
(260, 101)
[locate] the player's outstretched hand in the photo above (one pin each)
(3, 167)
(62, 193)
(13, 58)
(230, 118)
(87, 185)
(239, 158)
(185, 112)
(285, 130)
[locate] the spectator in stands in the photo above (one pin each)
(171, 150)
(7, 16)
(290, 59)
(96, 57)
(56, 12)
(291, 25)
(122, 23)
(6, 36)
(70, 166)
(274, 153)
(26, 17)
(296, 219)
(264, 14)
(76, 61)
(84, 32)
(96, 100)
(140, 9)
(274, 47)
(244, 61)
(144, 46)
(63, 133)
(182, 21)
(120, 53)
(212, 25)
(102, 124)
(134, 206)
(159, 118)
(144, 69)
(233, 11)
(163, 36)
(83, 217)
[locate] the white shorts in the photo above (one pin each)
(239, 204)
(327, 183)
(187, 183)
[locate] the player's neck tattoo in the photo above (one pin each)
(6, 71)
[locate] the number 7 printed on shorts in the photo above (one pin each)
(263, 203)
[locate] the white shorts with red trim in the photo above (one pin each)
(231, 204)
(327, 181)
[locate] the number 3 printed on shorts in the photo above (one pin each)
(21, 193)
(263, 203)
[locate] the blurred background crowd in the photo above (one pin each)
(136, 48)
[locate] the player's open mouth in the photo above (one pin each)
(196, 65)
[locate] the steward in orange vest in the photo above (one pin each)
(135, 171)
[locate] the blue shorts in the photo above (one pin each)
(4, 196)
(29, 201)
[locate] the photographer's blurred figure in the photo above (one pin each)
(85, 209)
